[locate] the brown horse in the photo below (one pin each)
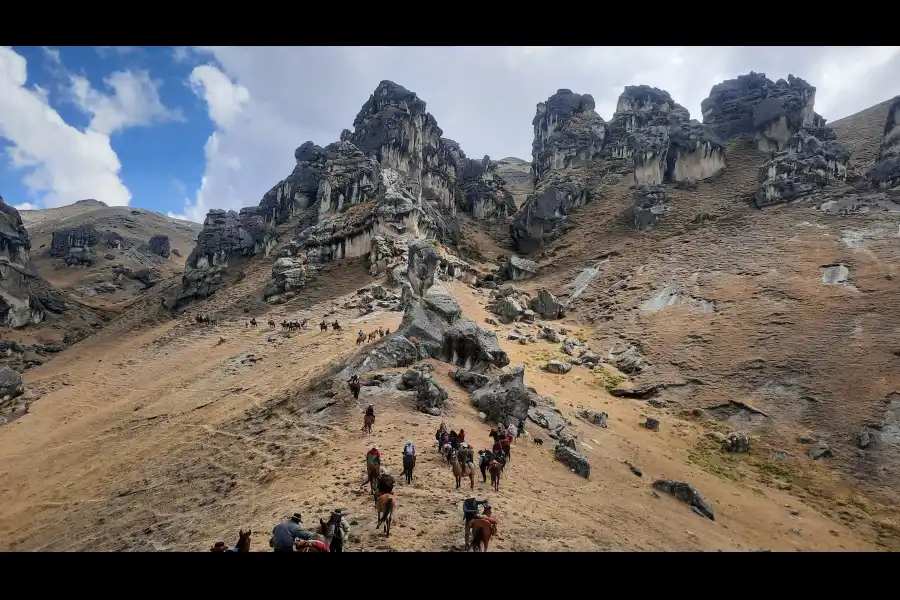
(482, 530)
(373, 473)
(336, 326)
(323, 326)
(460, 471)
(495, 468)
(447, 450)
(361, 338)
(368, 421)
(384, 509)
(373, 336)
(243, 544)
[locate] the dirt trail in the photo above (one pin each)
(167, 441)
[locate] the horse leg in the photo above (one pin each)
(471, 479)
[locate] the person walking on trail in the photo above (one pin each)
(370, 411)
(409, 455)
(285, 533)
(341, 530)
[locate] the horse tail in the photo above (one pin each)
(386, 512)
(477, 537)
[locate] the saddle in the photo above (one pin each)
(311, 546)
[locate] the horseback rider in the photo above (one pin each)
(285, 533)
(370, 411)
(354, 386)
(440, 435)
(373, 457)
(454, 440)
(409, 449)
(466, 457)
(470, 512)
(341, 530)
(461, 435)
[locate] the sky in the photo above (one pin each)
(180, 130)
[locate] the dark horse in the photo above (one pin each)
(409, 463)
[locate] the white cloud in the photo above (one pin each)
(224, 99)
(134, 102)
(60, 161)
(26, 206)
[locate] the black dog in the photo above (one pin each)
(539, 441)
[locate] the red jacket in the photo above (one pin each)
(374, 453)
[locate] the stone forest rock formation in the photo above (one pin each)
(886, 171)
(17, 306)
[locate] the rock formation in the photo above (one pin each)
(17, 305)
(886, 171)
(805, 166)
(159, 244)
(648, 205)
(504, 399)
(226, 237)
(433, 326)
(754, 106)
(79, 237)
(574, 150)
(483, 193)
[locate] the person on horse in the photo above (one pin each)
(512, 431)
(466, 457)
(454, 440)
(373, 457)
(370, 412)
(461, 435)
(505, 444)
(285, 533)
(497, 448)
(354, 386)
(409, 449)
(341, 530)
(470, 512)
(484, 459)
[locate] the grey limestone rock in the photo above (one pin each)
(18, 306)
(886, 171)
(686, 493)
(557, 367)
(505, 397)
(469, 379)
(159, 244)
(547, 305)
(567, 133)
(83, 236)
(648, 205)
(576, 461)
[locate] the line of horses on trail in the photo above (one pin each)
(363, 338)
(291, 325)
(207, 319)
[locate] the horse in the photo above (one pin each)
(243, 543)
(373, 473)
(354, 389)
(199, 318)
(482, 530)
(304, 323)
(384, 509)
(460, 471)
(373, 336)
(323, 326)
(409, 463)
(495, 468)
(336, 326)
(361, 338)
(272, 323)
(446, 450)
(253, 322)
(368, 421)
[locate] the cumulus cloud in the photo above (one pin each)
(134, 102)
(61, 163)
(484, 98)
(26, 206)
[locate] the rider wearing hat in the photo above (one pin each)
(285, 533)
(341, 530)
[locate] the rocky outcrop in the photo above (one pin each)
(886, 171)
(517, 268)
(648, 205)
(686, 493)
(754, 106)
(226, 238)
(541, 219)
(505, 397)
(159, 244)
(483, 193)
(299, 190)
(805, 166)
(576, 461)
(546, 305)
(430, 396)
(423, 262)
(10, 384)
(288, 275)
(567, 133)
(84, 236)
(18, 306)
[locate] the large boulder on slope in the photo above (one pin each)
(885, 173)
(505, 397)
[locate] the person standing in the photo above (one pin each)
(341, 530)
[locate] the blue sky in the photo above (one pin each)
(182, 130)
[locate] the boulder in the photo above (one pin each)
(754, 106)
(544, 214)
(885, 173)
(287, 274)
(517, 268)
(83, 236)
(423, 262)
(159, 244)
(597, 419)
(820, 450)
(507, 309)
(648, 205)
(546, 305)
(547, 419)
(505, 397)
(804, 167)
(572, 459)
(469, 380)
(686, 493)
(11, 385)
(626, 357)
(430, 396)
(736, 442)
(557, 367)
(549, 334)
(483, 192)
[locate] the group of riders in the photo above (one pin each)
(291, 536)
